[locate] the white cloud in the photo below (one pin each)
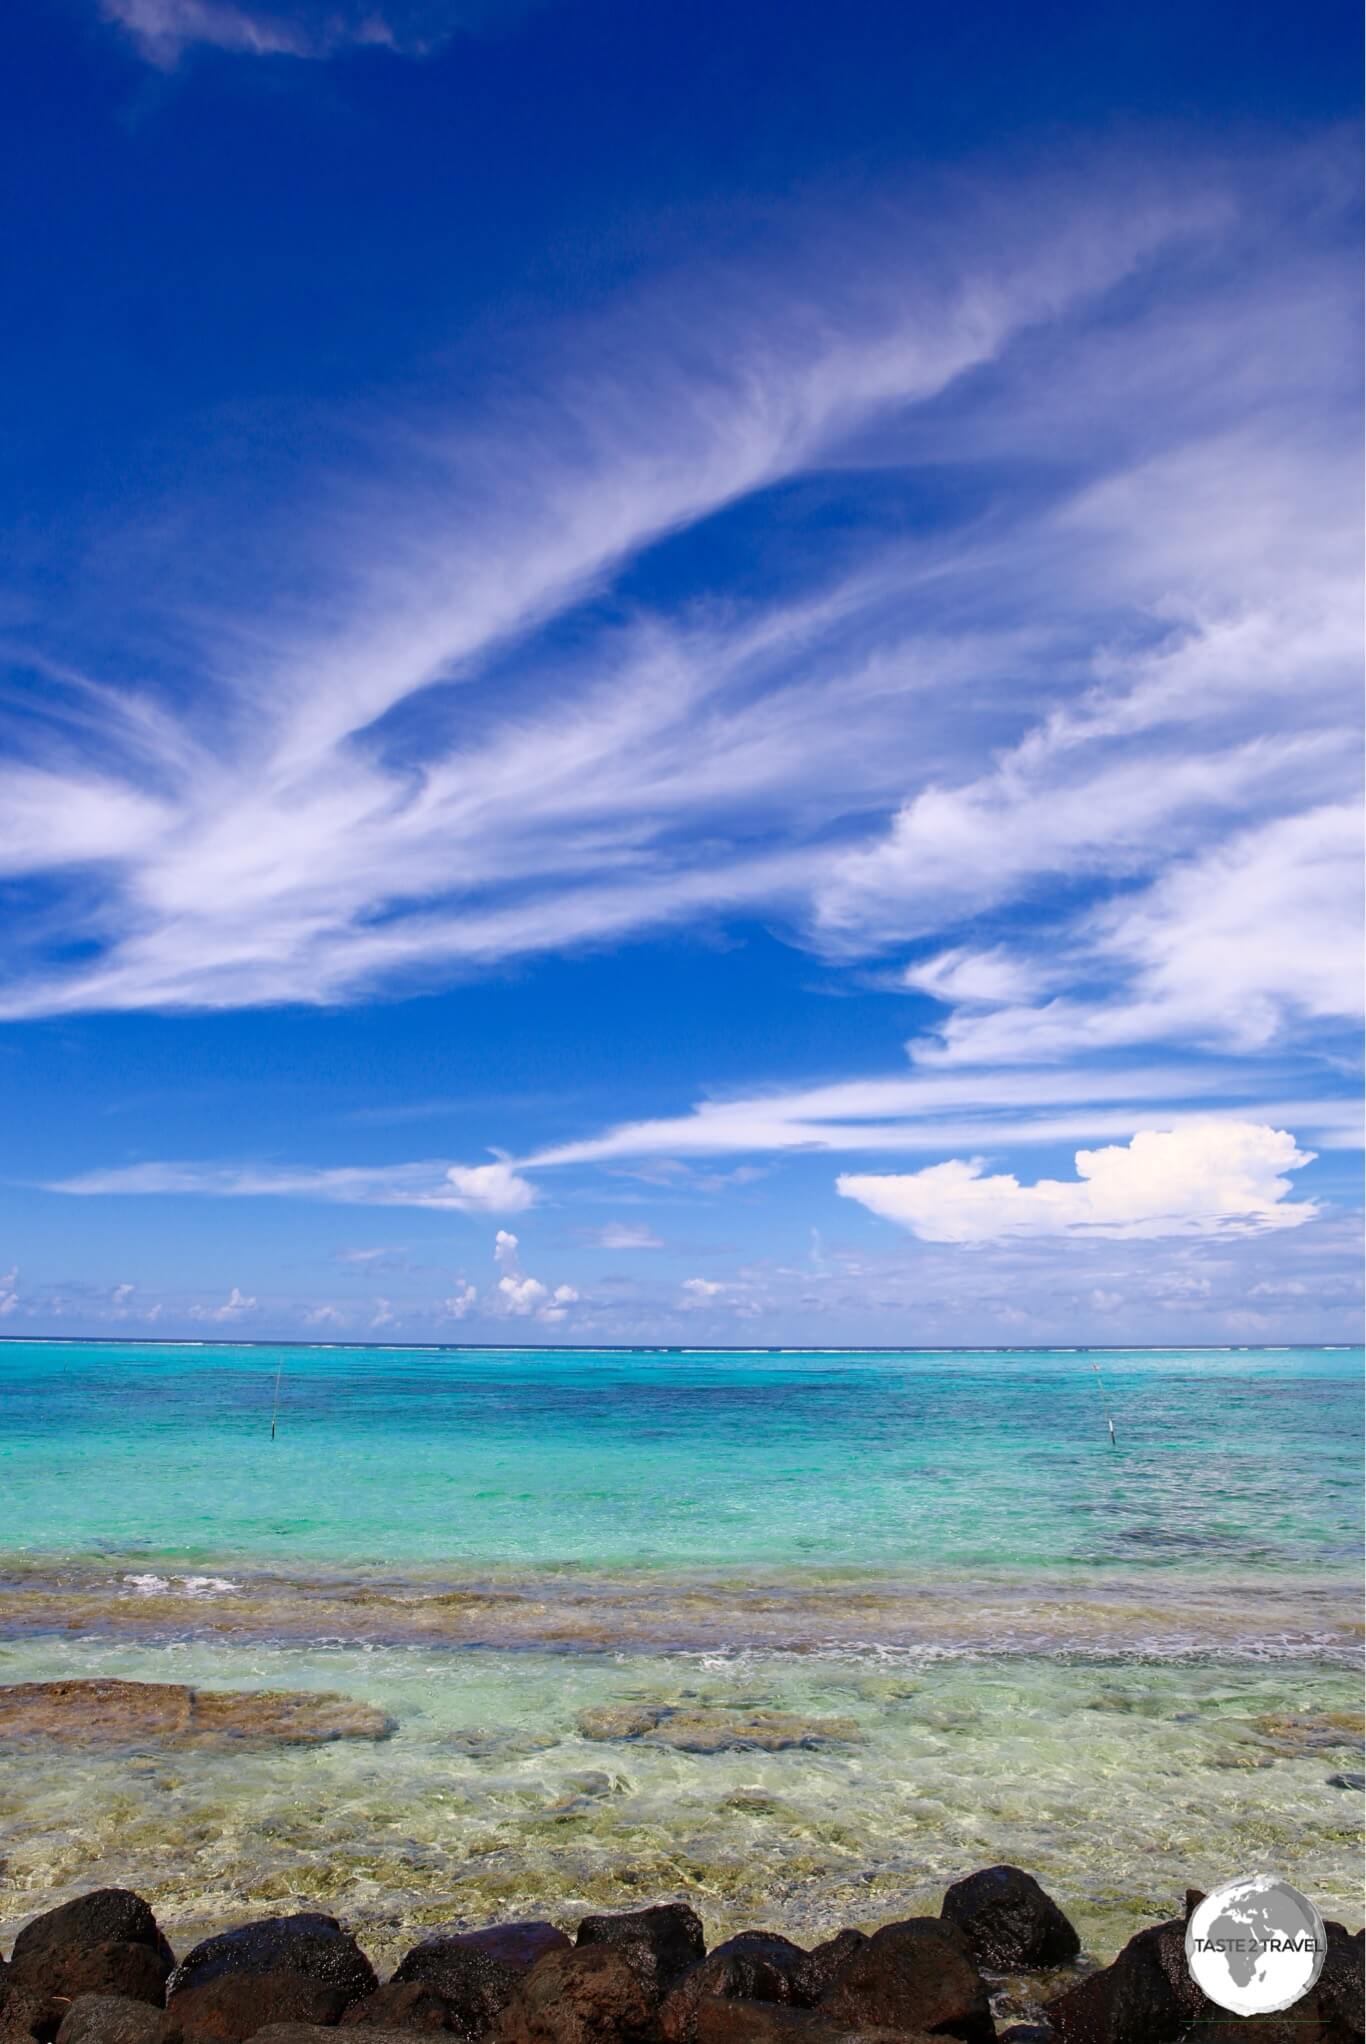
(325, 1315)
(274, 843)
(1204, 1179)
(461, 1301)
(383, 1315)
(521, 1294)
(489, 1189)
(627, 1235)
(505, 1247)
(164, 29)
(233, 1308)
(9, 1291)
(702, 1288)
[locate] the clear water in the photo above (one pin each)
(1044, 1649)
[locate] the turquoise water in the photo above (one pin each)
(1127, 1668)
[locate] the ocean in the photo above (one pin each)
(594, 1589)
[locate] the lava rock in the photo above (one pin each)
(661, 1943)
(755, 1966)
(1009, 1921)
(473, 1984)
(518, 1945)
(111, 2019)
(26, 2013)
(820, 1965)
(233, 2006)
(593, 1994)
(917, 1975)
(1347, 1781)
(106, 1942)
(1147, 1996)
(402, 2005)
(309, 1944)
(767, 2022)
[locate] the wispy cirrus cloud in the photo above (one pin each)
(164, 29)
(408, 776)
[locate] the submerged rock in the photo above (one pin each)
(106, 1942)
(309, 1944)
(1347, 1781)
(110, 1713)
(661, 1943)
(917, 1975)
(1008, 1920)
(590, 1995)
(714, 1729)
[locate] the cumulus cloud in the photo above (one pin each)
(325, 1315)
(702, 1288)
(1207, 1178)
(461, 1301)
(9, 1291)
(520, 1295)
(233, 1308)
(489, 1189)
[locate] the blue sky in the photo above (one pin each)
(681, 674)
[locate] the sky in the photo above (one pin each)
(681, 674)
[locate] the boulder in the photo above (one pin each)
(112, 1713)
(232, 2006)
(106, 1942)
(473, 1984)
(518, 1945)
(1146, 1996)
(820, 1965)
(661, 1943)
(755, 1966)
(111, 2019)
(25, 2014)
(402, 2005)
(767, 2022)
(310, 1944)
(593, 1994)
(917, 1975)
(1009, 1921)
(316, 2033)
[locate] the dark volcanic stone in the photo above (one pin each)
(314, 2033)
(310, 1943)
(820, 1965)
(25, 2012)
(755, 1966)
(106, 1942)
(661, 1942)
(229, 2007)
(473, 1984)
(402, 2005)
(1146, 1997)
(1028, 2033)
(1009, 1921)
(518, 1945)
(767, 2022)
(111, 2019)
(917, 1975)
(593, 1994)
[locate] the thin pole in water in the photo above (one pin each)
(275, 1408)
(1100, 1387)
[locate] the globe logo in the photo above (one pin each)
(1255, 1945)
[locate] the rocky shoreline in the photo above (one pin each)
(99, 1970)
